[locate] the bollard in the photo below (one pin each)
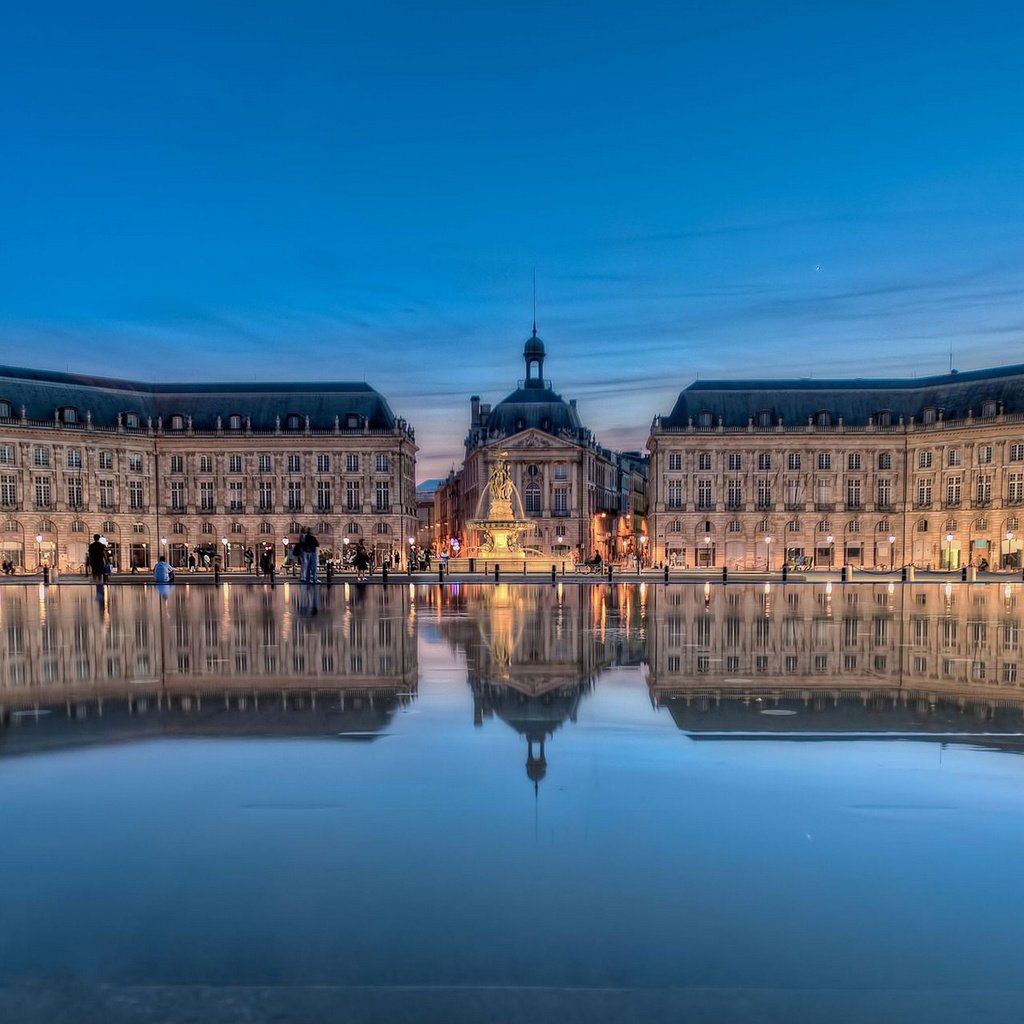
(843, 574)
(666, 574)
(963, 574)
(273, 575)
(472, 565)
(497, 571)
(330, 572)
(785, 573)
(524, 566)
(903, 574)
(609, 572)
(440, 572)
(554, 574)
(384, 573)
(563, 570)
(46, 575)
(725, 574)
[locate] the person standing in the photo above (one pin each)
(310, 557)
(96, 556)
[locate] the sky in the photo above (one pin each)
(252, 191)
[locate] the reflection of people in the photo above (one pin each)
(162, 572)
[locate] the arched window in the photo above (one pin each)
(237, 528)
(178, 528)
(207, 527)
(177, 421)
(883, 418)
(824, 526)
(109, 526)
(46, 526)
(883, 526)
(793, 526)
(383, 528)
(323, 528)
(853, 526)
(734, 526)
(293, 421)
(922, 526)
(78, 526)
(6, 410)
(704, 418)
(988, 408)
(981, 524)
(929, 415)
(675, 526)
(265, 528)
(294, 527)
(11, 526)
(1013, 523)
(823, 418)
(235, 421)
(764, 418)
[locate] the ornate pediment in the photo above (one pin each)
(530, 439)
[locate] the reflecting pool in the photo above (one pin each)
(562, 802)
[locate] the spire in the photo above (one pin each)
(534, 302)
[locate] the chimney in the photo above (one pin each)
(474, 408)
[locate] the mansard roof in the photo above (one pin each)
(539, 408)
(43, 392)
(794, 401)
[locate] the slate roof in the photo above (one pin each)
(42, 392)
(853, 399)
(540, 408)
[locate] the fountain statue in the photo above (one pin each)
(500, 530)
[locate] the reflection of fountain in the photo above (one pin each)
(501, 530)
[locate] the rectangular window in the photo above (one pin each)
(294, 464)
(177, 496)
(106, 494)
(351, 463)
(984, 454)
(383, 496)
(234, 463)
(561, 473)
(177, 464)
(381, 462)
(853, 494)
(793, 498)
(42, 492)
(884, 493)
(74, 492)
(824, 460)
(793, 460)
(764, 461)
(924, 460)
(134, 462)
(106, 460)
(323, 463)
(764, 494)
(266, 496)
(734, 494)
(675, 461)
(853, 460)
(675, 494)
(8, 491)
(1015, 488)
(205, 464)
(924, 494)
(235, 500)
(561, 501)
(294, 496)
(704, 461)
(984, 489)
(704, 494)
(735, 461)
(135, 494)
(6, 454)
(41, 457)
(206, 495)
(953, 492)
(323, 495)
(74, 458)
(532, 501)
(352, 503)
(885, 460)
(1017, 452)
(953, 456)
(265, 463)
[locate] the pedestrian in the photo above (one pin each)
(362, 561)
(191, 561)
(249, 559)
(310, 557)
(162, 572)
(96, 556)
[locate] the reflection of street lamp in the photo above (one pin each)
(831, 550)
(892, 551)
(39, 550)
(767, 554)
(949, 551)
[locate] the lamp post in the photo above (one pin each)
(949, 551)
(767, 554)
(39, 552)
(1009, 540)
(412, 554)
(707, 550)
(892, 551)
(643, 549)
(227, 550)
(831, 551)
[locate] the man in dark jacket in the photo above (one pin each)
(97, 559)
(309, 557)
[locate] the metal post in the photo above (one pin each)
(554, 574)
(497, 571)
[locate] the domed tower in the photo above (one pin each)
(533, 353)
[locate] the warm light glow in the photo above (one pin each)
(830, 538)
(949, 538)
(892, 538)
(891, 588)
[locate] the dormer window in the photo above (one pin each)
(177, 421)
(6, 410)
(883, 418)
(764, 418)
(234, 421)
(131, 420)
(930, 414)
(351, 421)
(823, 418)
(704, 419)
(69, 414)
(988, 408)
(293, 421)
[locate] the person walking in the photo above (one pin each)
(249, 559)
(96, 556)
(362, 561)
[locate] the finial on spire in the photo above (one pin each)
(535, 302)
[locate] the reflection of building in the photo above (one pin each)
(222, 467)
(928, 471)
(534, 653)
(745, 654)
(569, 485)
(203, 651)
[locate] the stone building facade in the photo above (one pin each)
(213, 468)
(872, 473)
(569, 484)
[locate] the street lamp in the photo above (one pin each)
(707, 550)
(892, 551)
(831, 551)
(227, 550)
(1009, 539)
(949, 551)
(39, 551)
(767, 554)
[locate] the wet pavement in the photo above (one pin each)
(556, 802)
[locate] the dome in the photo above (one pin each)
(540, 408)
(534, 346)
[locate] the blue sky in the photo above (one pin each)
(239, 191)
